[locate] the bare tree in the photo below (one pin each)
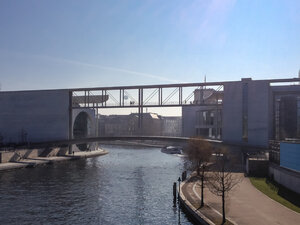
(198, 154)
(222, 180)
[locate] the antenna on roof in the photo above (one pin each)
(205, 81)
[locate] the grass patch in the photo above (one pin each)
(277, 192)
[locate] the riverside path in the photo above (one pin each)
(247, 206)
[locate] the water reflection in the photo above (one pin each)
(127, 186)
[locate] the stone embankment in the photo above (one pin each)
(22, 161)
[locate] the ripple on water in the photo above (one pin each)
(127, 186)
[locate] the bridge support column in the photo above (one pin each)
(140, 123)
(70, 120)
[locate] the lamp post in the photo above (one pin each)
(179, 180)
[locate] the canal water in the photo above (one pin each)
(130, 185)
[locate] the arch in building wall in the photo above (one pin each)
(82, 128)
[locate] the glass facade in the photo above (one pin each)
(208, 123)
(287, 116)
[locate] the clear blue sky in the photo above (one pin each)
(61, 44)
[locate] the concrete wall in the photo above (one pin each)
(17, 155)
(232, 112)
(42, 115)
(189, 120)
(290, 156)
(287, 178)
(257, 167)
(14, 156)
(258, 113)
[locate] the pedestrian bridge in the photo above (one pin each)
(123, 138)
(179, 140)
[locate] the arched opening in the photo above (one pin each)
(82, 129)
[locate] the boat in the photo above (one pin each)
(172, 150)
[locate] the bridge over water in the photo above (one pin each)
(169, 95)
(182, 141)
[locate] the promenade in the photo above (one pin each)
(245, 205)
(32, 162)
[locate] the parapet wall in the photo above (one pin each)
(288, 178)
(17, 155)
(14, 156)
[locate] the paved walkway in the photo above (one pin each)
(32, 162)
(191, 198)
(247, 205)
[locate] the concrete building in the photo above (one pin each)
(203, 120)
(249, 112)
(43, 116)
(284, 165)
(252, 113)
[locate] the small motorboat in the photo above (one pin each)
(172, 150)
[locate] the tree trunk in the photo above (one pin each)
(223, 207)
(202, 188)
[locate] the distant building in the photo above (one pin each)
(118, 125)
(172, 126)
(153, 125)
(113, 125)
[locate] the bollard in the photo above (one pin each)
(179, 180)
(174, 193)
(183, 176)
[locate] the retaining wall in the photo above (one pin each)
(288, 178)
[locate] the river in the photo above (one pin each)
(130, 185)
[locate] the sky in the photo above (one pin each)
(96, 43)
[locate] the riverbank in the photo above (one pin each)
(190, 200)
(31, 162)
